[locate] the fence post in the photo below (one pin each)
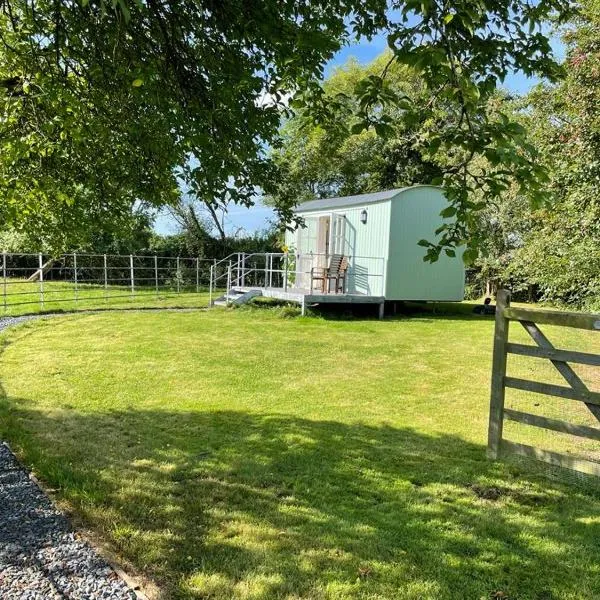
(41, 278)
(75, 276)
(178, 274)
(210, 285)
(156, 274)
(197, 274)
(131, 275)
(285, 272)
(243, 281)
(270, 269)
(105, 277)
(498, 374)
(4, 278)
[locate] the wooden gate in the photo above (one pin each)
(576, 390)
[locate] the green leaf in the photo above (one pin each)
(470, 256)
(358, 127)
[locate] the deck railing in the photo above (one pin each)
(292, 270)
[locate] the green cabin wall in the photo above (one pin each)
(415, 215)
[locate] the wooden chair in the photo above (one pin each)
(336, 271)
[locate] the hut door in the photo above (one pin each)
(338, 234)
(323, 241)
(307, 236)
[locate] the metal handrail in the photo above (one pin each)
(218, 262)
(237, 271)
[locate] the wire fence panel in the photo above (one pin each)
(33, 283)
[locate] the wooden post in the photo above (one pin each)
(197, 275)
(156, 274)
(266, 269)
(178, 276)
(498, 374)
(210, 286)
(381, 310)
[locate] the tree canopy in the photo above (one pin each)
(551, 251)
(312, 162)
(107, 105)
(560, 251)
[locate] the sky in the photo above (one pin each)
(258, 217)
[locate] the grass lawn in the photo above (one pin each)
(238, 454)
(24, 297)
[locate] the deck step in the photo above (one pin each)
(237, 297)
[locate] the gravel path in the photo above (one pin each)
(41, 558)
(6, 322)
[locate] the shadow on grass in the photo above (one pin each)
(51, 312)
(231, 504)
(394, 311)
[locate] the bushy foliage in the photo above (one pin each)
(553, 250)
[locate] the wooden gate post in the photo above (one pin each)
(498, 374)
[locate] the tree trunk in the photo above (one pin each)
(45, 268)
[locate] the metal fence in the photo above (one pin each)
(32, 282)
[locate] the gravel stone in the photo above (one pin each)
(6, 322)
(41, 557)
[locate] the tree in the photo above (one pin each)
(107, 105)
(459, 58)
(502, 227)
(311, 161)
(197, 227)
(561, 252)
(553, 250)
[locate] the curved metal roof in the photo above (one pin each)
(360, 199)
